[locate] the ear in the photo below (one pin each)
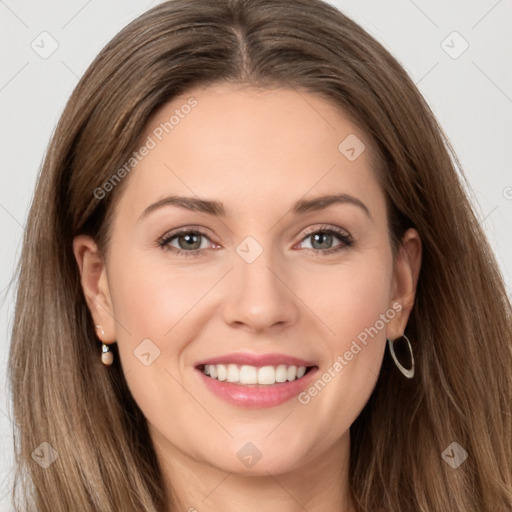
(406, 271)
(94, 281)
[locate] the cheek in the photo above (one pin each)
(151, 305)
(354, 302)
(151, 299)
(364, 299)
(352, 296)
(158, 311)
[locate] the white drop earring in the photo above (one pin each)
(107, 357)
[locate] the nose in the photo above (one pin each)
(259, 295)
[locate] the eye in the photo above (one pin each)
(322, 239)
(184, 241)
(191, 242)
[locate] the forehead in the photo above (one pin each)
(250, 148)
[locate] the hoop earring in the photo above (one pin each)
(107, 357)
(407, 373)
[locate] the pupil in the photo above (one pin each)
(190, 240)
(328, 237)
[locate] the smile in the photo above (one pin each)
(258, 381)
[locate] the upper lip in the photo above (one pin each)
(246, 358)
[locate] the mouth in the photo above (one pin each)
(254, 376)
(257, 381)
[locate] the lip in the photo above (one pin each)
(258, 360)
(256, 395)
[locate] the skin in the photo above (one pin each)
(257, 152)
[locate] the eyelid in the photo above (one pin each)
(325, 227)
(183, 230)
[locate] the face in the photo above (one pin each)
(251, 278)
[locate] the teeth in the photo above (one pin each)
(221, 372)
(266, 375)
(233, 373)
(281, 373)
(250, 375)
(291, 372)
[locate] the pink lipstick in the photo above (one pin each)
(256, 380)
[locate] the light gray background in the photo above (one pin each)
(471, 96)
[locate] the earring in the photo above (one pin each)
(107, 357)
(407, 373)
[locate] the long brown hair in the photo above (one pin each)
(460, 326)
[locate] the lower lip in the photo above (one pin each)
(258, 395)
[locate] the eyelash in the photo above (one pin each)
(345, 239)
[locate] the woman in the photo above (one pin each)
(251, 279)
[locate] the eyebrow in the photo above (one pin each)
(217, 208)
